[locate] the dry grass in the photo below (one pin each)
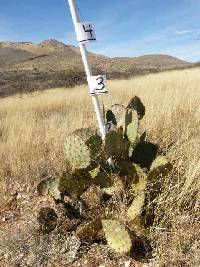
(33, 129)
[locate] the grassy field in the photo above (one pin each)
(33, 129)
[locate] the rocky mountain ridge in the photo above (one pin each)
(26, 66)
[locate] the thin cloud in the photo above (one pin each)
(184, 32)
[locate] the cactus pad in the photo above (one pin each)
(132, 124)
(130, 151)
(84, 133)
(117, 236)
(140, 182)
(93, 141)
(49, 186)
(136, 207)
(115, 189)
(77, 152)
(94, 145)
(126, 169)
(74, 185)
(90, 231)
(160, 166)
(102, 180)
(54, 188)
(114, 143)
(116, 115)
(136, 104)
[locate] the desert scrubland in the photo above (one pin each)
(33, 128)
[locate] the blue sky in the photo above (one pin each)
(123, 28)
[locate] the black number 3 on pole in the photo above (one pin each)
(98, 84)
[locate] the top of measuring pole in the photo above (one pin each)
(84, 30)
(74, 12)
(97, 84)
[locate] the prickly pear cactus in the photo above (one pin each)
(73, 185)
(54, 188)
(140, 182)
(124, 188)
(90, 231)
(84, 133)
(115, 117)
(132, 124)
(135, 208)
(77, 152)
(116, 188)
(91, 139)
(160, 166)
(114, 143)
(50, 186)
(136, 104)
(117, 236)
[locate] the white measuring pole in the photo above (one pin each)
(88, 71)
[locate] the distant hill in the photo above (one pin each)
(10, 55)
(25, 66)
